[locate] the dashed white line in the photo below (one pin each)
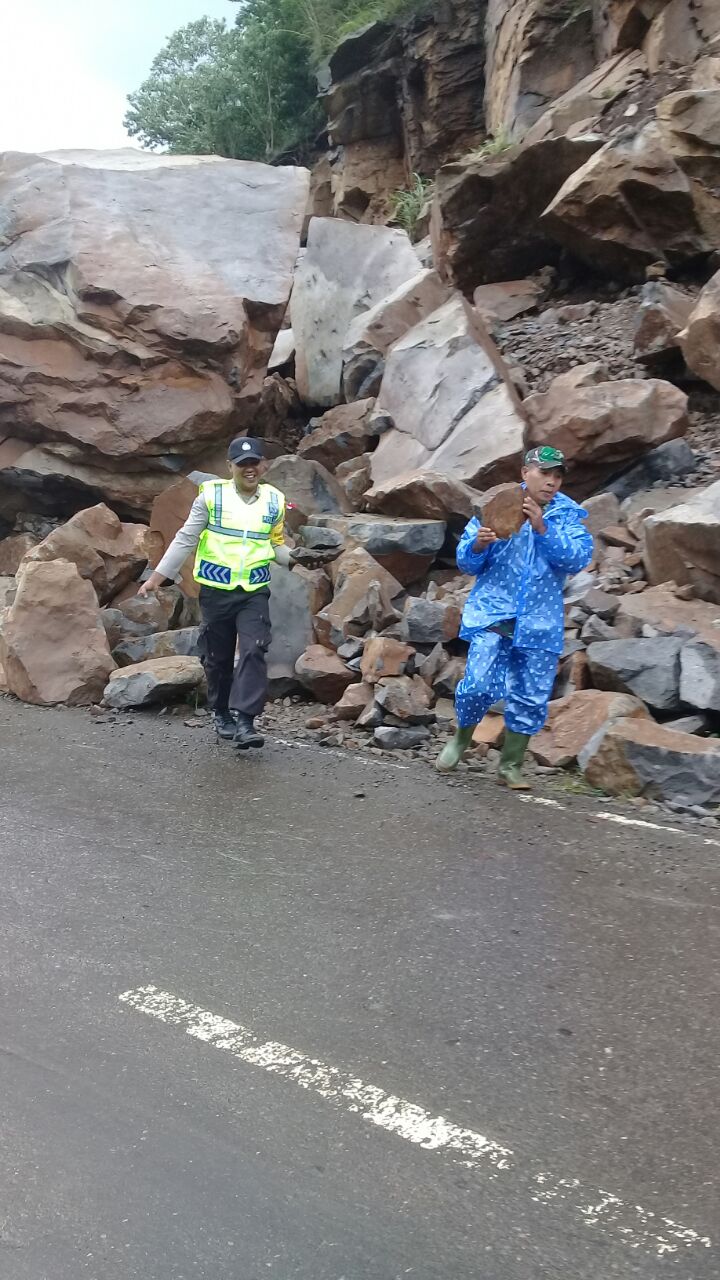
(637, 1227)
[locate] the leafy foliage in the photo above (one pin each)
(246, 91)
(408, 205)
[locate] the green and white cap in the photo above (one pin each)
(546, 458)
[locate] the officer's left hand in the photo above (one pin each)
(534, 513)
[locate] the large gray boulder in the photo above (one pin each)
(133, 317)
(347, 268)
(649, 669)
(454, 409)
(384, 535)
(159, 680)
(373, 333)
(638, 757)
(700, 675)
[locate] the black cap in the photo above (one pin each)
(245, 449)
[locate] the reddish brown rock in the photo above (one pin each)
(125, 356)
(169, 512)
(700, 340)
(363, 598)
(604, 426)
(638, 757)
(53, 645)
(574, 720)
(323, 674)
(424, 494)
(355, 479)
(660, 607)
(630, 205)
(486, 215)
(12, 550)
(498, 303)
(384, 657)
(504, 512)
(355, 700)
(106, 551)
(343, 433)
(664, 313)
(490, 732)
(573, 674)
(682, 544)
(406, 698)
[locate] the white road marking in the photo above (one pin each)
(549, 804)
(342, 755)
(654, 826)
(637, 1227)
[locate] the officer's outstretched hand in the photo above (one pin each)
(150, 587)
(484, 539)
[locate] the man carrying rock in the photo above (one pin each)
(236, 529)
(514, 617)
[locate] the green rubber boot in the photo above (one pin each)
(511, 761)
(453, 752)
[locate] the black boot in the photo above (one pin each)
(224, 725)
(246, 735)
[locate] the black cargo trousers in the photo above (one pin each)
(229, 617)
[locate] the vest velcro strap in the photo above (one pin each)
(262, 536)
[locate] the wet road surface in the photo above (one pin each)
(307, 1016)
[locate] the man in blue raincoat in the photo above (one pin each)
(514, 617)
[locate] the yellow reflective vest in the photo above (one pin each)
(236, 549)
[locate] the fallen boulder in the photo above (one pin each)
(346, 269)
(356, 699)
(454, 409)
(430, 621)
(574, 721)
(182, 643)
(382, 657)
(345, 432)
(486, 215)
(648, 669)
(603, 426)
(682, 544)
(406, 699)
(630, 205)
(660, 608)
(53, 646)
(700, 675)
(295, 599)
(106, 551)
(700, 339)
(324, 674)
(159, 680)
(385, 535)
(639, 757)
(127, 301)
(664, 312)
(308, 485)
(372, 333)
(12, 551)
(425, 494)
(391, 738)
(668, 463)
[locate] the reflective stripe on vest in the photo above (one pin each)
(230, 555)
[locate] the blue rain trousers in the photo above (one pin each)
(496, 670)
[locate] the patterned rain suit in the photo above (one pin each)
(514, 617)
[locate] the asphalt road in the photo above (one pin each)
(541, 976)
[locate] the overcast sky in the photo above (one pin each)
(68, 65)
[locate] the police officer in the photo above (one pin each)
(236, 529)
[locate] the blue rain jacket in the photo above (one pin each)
(523, 577)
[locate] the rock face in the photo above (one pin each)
(664, 313)
(109, 553)
(449, 396)
(346, 269)
(12, 551)
(601, 427)
(535, 53)
(126, 299)
(639, 756)
(400, 100)
(486, 216)
(53, 646)
(700, 340)
(158, 680)
(700, 675)
(372, 333)
(628, 206)
(683, 544)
